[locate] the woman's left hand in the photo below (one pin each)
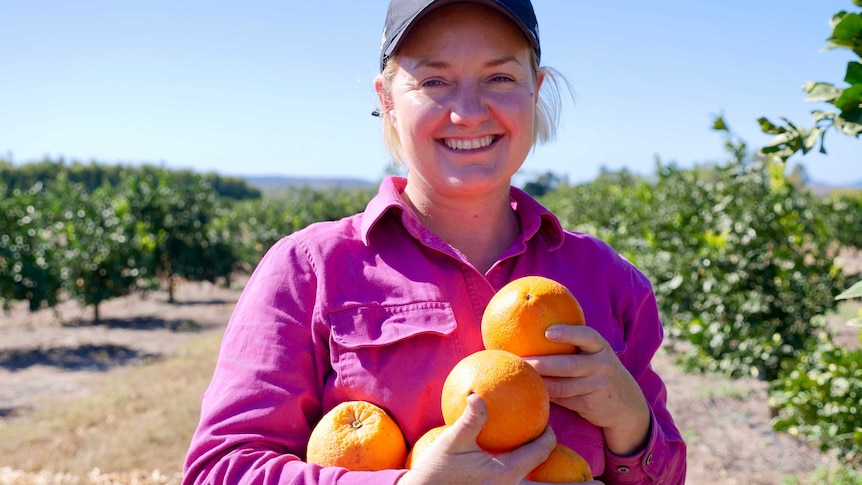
(594, 384)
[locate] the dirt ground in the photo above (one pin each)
(52, 354)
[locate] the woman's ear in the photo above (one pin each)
(384, 98)
(540, 78)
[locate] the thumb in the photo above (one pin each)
(466, 429)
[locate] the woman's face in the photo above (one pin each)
(463, 99)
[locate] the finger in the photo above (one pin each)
(544, 444)
(585, 338)
(562, 387)
(466, 428)
(573, 365)
(526, 458)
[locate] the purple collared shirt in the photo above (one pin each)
(375, 307)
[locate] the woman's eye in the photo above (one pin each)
(502, 79)
(432, 83)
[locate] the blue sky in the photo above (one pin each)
(285, 87)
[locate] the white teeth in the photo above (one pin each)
(473, 144)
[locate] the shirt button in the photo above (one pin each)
(649, 459)
(623, 469)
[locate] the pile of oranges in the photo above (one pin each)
(361, 436)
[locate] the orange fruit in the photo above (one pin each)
(513, 391)
(422, 444)
(359, 436)
(517, 316)
(564, 465)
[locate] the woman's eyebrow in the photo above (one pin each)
(502, 60)
(443, 64)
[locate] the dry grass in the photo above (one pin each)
(141, 418)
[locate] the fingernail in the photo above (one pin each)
(553, 332)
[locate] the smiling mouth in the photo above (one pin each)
(471, 144)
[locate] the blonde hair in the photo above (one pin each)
(545, 122)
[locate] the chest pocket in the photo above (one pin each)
(381, 349)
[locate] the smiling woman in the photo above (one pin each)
(382, 305)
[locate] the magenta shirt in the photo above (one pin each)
(375, 307)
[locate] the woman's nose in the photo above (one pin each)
(468, 107)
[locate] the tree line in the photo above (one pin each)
(93, 175)
(94, 232)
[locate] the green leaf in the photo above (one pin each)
(784, 424)
(784, 145)
(854, 291)
(836, 19)
(769, 127)
(777, 143)
(851, 127)
(821, 92)
(845, 34)
(850, 99)
(854, 72)
(810, 138)
(718, 124)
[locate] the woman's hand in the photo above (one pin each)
(455, 458)
(594, 384)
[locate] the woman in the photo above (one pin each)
(380, 306)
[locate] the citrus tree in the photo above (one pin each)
(100, 251)
(746, 272)
(172, 221)
(27, 247)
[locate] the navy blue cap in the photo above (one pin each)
(403, 15)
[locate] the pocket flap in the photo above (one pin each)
(366, 326)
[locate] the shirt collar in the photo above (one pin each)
(388, 198)
(535, 218)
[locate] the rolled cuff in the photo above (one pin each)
(661, 459)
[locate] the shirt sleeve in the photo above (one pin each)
(663, 458)
(266, 391)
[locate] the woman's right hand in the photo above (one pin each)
(455, 458)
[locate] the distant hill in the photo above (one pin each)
(274, 182)
(823, 188)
